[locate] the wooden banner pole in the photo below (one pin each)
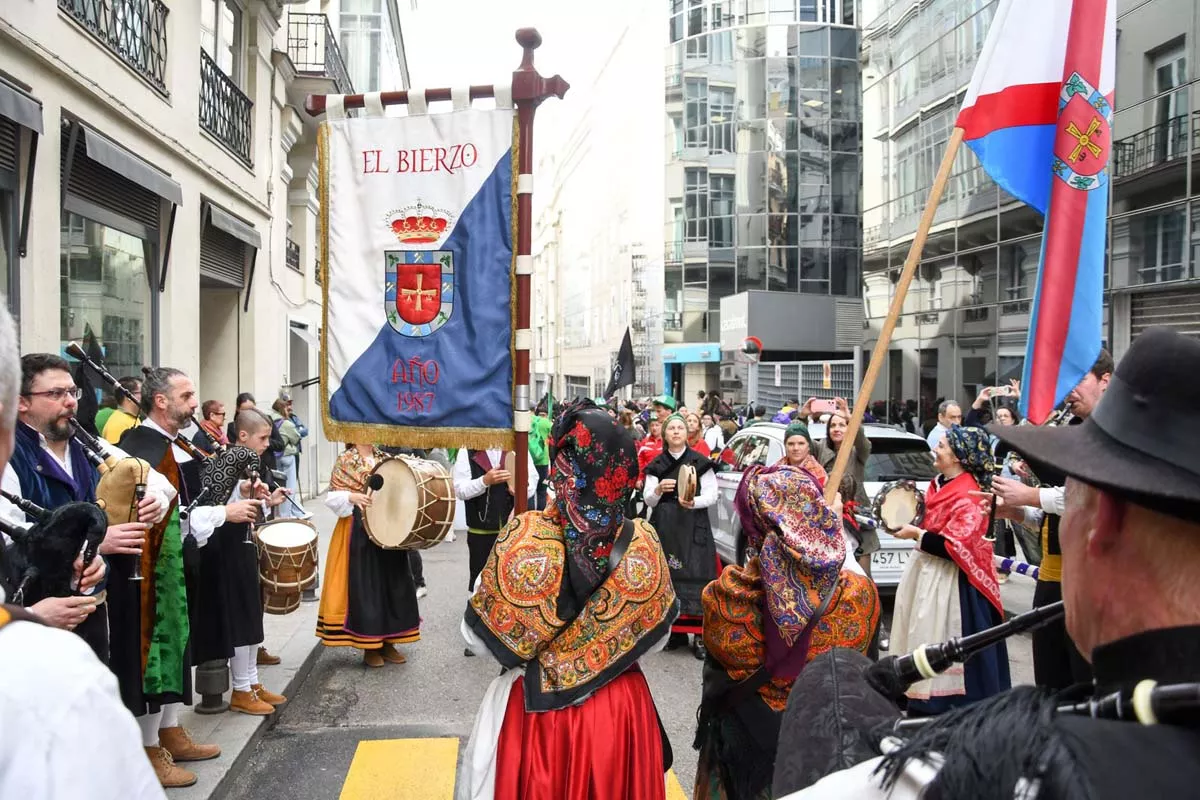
(889, 325)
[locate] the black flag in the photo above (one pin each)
(622, 374)
(85, 414)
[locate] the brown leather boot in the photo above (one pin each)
(268, 696)
(178, 742)
(249, 703)
(265, 659)
(372, 658)
(169, 775)
(390, 653)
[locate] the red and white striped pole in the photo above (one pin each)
(529, 89)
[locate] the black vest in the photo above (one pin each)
(489, 511)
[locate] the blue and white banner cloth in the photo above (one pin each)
(416, 254)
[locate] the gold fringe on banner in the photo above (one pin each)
(407, 435)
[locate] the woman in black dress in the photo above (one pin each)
(683, 528)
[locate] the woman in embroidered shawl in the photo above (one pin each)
(368, 597)
(683, 527)
(568, 601)
(801, 594)
(949, 588)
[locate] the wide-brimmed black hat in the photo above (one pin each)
(1142, 440)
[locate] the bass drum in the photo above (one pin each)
(413, 508)
(287, 562)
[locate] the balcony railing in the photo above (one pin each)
(134, 30)
(224, 110)
(292, 255)
(1156, 145)
(314, 50)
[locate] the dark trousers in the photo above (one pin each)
(479, 547)
(417, 566)
(1057, 663)
(543, 470)
(1009, 535)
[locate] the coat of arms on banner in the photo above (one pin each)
(418, 290)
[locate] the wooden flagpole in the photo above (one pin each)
(889, 325)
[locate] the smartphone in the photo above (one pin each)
(1001, 391)
(824, 407)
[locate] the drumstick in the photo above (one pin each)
(374, 483)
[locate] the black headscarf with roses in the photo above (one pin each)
(593, 467)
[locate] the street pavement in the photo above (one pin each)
(398, 731)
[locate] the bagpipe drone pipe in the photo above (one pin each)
(40, 562)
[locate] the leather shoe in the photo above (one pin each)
(392, 655)
(250, 703)
(169, 776)
(178, 742)
(698, 649)
(265, 659)
(268, 696)
(372, 658)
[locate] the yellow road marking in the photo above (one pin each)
(402, 769)
(674, 790)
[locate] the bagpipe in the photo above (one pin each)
(41, 561)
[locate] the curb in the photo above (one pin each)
(251, 745)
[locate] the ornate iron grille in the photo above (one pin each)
(313, 48)
(224, 110)
(134, 30)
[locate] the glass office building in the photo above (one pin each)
(966, 315)
(763, 177)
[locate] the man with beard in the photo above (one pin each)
(1057, 663)
(229, 625)
(152, 616)
(49, 468)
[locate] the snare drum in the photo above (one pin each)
(414, 508)
(686, 483)
(898, 504)
(287, 562)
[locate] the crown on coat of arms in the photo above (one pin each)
(419, 224)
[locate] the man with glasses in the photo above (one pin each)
(125, 415)
(49, 468)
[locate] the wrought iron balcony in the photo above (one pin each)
(313, 49)
(292, 255)
(225, 111)
(1156, 145)
(134, 30)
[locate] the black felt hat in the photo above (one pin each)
(1142, 441)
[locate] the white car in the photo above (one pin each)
(895, 454)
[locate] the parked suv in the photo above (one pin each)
(895, 454)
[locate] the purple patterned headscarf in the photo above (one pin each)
(800, 551)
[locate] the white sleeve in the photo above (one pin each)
(531, 481)
(204, 520)
(338, 501)
(708, 490)
(8, 511)
(650, 491)
(474, 643)
(466, 488)
(1033, 517)
(1052, 499)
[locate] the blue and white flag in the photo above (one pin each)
(416, 254)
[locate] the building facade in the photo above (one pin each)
(157, 188)
(597, 204)
(966, 317)
(763, 181)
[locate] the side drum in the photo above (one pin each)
(413, 508)
(287, 562)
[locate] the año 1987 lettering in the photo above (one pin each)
(418, 377)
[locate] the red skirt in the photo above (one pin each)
(607, 748)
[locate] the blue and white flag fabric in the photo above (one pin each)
(416, 256)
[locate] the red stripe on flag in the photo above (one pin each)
(1064, 225)
(1014, 106)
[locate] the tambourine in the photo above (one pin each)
(898, 504)
(686, 483)
(510, 465)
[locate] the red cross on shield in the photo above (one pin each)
(418, 292)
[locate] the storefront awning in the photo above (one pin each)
(20, 107)
(223, 220)
(108, 154)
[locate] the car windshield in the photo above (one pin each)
(896, 459)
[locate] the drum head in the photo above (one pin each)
(899, 504)
(287, 533)
(394, 508)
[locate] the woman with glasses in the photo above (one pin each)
(213, 423)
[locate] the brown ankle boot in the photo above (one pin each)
(372, 658)
(268, 696)
(265, 659)
(178, 742)
(249, 703)
(390, 653)
(169, 775)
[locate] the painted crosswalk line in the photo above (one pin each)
(419, 769)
